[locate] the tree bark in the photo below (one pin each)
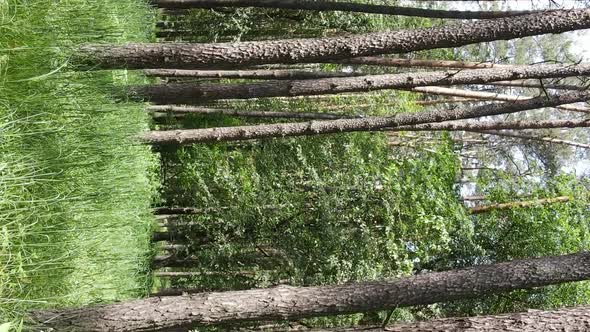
(198, 93)
(319, 5)
(482, 95)
(178, 210)
(575, 319)
(512, 205)
(411, 63)
(228, 55)
(173, 261)
(534, 138)
(351, 125)
(249, 114)
(161, 313)
(248, 74)
(481, 126)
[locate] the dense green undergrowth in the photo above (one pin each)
(75, 187)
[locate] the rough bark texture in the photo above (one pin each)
(399, 62)
(539, 85)
(479, 126)
(350, 125)
(563, 320)
(248, 74)
(336, 6)
(534, 138)
(161, 313)
(198, 93)
(482, 95)
(249, 114)
(224, 55)
(512, 205)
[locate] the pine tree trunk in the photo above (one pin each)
(351, 125)
(512, 205)
(568, 320)
(486, 126)
(250, 114)
(228, 55)
(420, 63)
(178, 210)
(534, 138)
(482, 95)
(248, 74)
(162, 313)
(198, 93)
(319, 5)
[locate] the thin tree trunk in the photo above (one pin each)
(319, 5)
(474, 198)
(575, 319)
(248, 74)
(250, 114)
(538, 85)
(173, 261)
(411, 63)
(224, 55)
(178, 210)
(351, 125)
(512, 205)
(534, 138)
(198, 93)
(189, 274)
(176, 291)
(161, 313)
(481, 126)
(435, 90)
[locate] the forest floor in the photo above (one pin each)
(75, 187)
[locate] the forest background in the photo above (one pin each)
(78, 189)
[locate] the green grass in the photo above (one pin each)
(75, 186)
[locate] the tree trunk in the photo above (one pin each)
(224, 55)
(176, 291)
(411, 63)
(351, 125)
(178, 210)
(173, 261)
(198, 93)
(248, 74)
(512, 205)
(486, 126)
(162, 313)
(568, 319)
(189, 274)
(534, 138)
(539, 85)
(319, 5)
(249, 114)
(482, 95)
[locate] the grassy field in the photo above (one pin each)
(75, 187)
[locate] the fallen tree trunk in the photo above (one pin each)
(232, 55)
(249, 114)
(175, 312)
(198, 93)
(350, 125)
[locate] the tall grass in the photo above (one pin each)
(75, 186)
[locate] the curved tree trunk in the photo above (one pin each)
(351, 125)
(228, 55)
(320, 5)
(512, 205)
(162, 313)
(198, 93)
